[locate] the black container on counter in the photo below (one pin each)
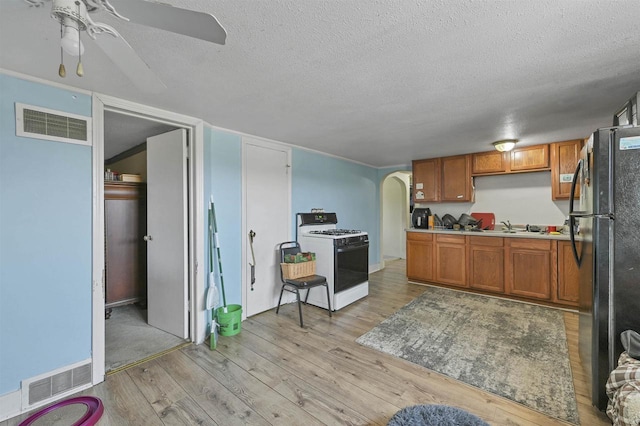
(420, 217)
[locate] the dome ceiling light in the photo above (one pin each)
(505, 144)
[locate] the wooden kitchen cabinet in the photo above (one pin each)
(451, 255)
(568, 290)
(521, 268)
(526, 159)
(420, 256)
(486, 263)
(488, 163)
(530, 158)
(530, 268)
(456, 178)
(564, 159)
(426, 180)
(125, 249)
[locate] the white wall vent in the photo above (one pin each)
(55, 384)
(42, 123)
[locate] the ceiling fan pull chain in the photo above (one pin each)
(79, 68)
(62, 72)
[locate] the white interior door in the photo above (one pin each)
(267, 214)
(167, 232)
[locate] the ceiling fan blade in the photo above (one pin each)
(169, 18)
(128, 61)
(10, 6)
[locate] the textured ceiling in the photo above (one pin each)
(380, 82)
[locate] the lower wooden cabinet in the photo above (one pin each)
(486, 263)
(568, 291)
(420, 256)
(530, 267)
(451, 260)
(523, 268)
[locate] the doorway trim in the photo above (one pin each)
(197, 313)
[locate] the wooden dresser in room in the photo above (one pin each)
(125, 249)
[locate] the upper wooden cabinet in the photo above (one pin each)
(564, 159)
(456, 178)
(526, 159)
(451, 178)
(489, 163)
(426, 180)
(530, 158)
(442, 179)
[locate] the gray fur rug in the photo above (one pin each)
(512, 349)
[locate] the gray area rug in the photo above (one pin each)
(130, 339)
(515, 350)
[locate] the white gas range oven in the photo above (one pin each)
(342, 255)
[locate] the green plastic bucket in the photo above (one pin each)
(229, 321)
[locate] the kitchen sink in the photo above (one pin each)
(499, 231)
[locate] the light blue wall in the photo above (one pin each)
(223, 180)
(45, 240)
(45, 227)
(349, 189)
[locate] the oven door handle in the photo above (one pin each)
(351, 248)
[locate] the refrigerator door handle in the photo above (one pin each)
(573, 215)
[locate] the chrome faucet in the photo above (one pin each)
(508, 225)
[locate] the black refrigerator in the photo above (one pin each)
(605, 231)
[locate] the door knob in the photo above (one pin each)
(147, 238)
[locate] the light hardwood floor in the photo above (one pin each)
(275, 373)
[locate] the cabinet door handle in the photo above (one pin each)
(459, 196)
(147, 238)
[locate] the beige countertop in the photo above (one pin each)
(517, 234)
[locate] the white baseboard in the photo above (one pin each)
(15, 403)
(11, 403)
(374, 267)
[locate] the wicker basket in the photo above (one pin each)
(297, 270)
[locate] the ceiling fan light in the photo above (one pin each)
(70, 41)
(505, 145)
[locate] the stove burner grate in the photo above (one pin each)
(337, 232)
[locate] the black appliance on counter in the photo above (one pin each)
(607, 252)
(420, 217)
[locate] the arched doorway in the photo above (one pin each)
(395, 216)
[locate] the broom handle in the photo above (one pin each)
(217, 244)
(211, 241)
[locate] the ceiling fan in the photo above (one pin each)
(74, 17)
